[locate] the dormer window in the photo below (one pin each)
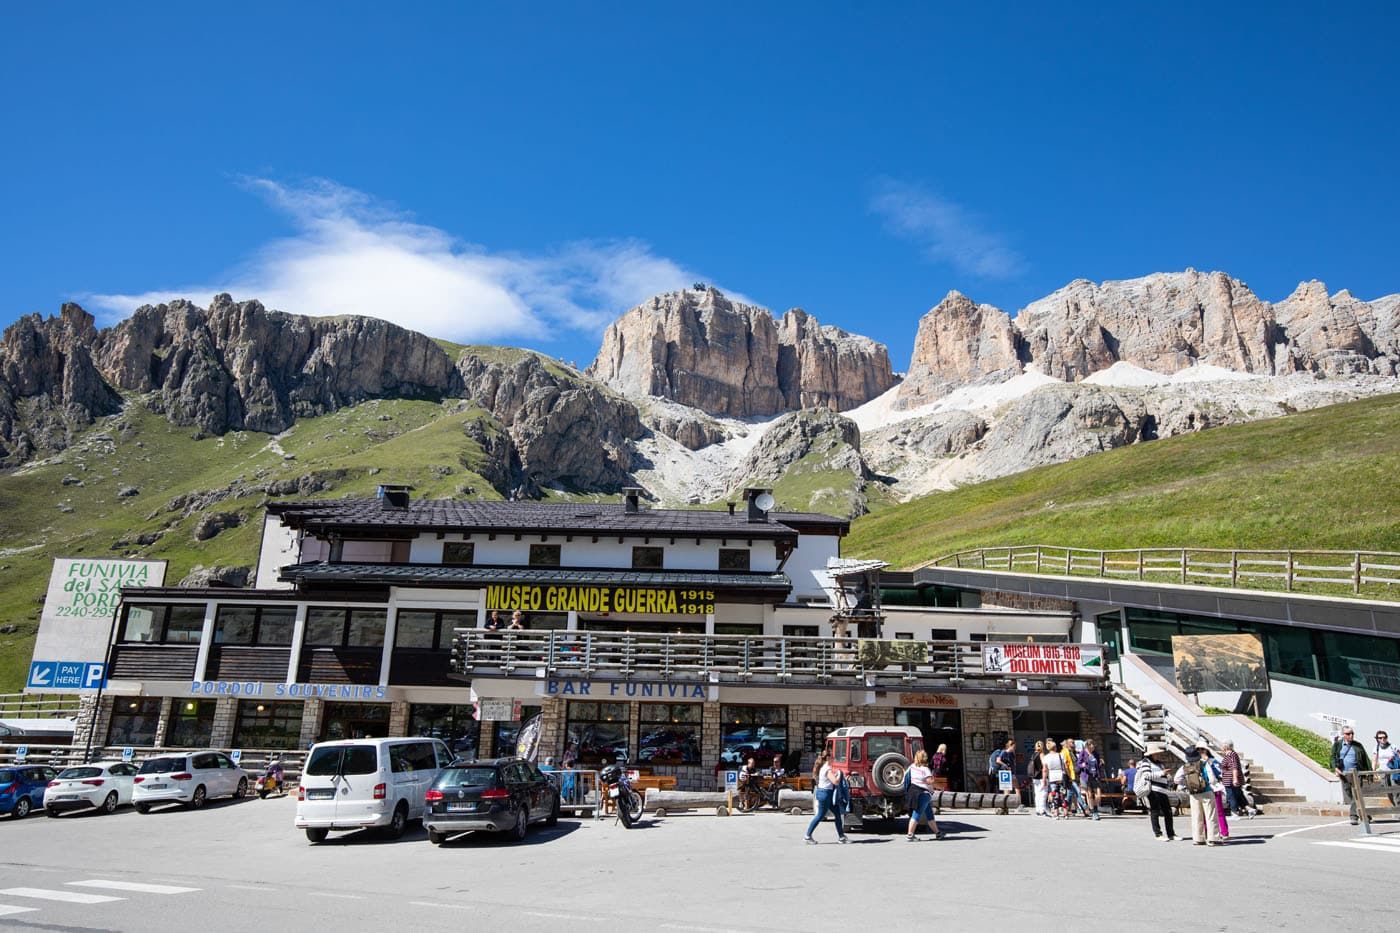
(735, 558)
(458, 553)
(544, 555)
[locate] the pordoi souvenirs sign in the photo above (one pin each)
(1039, 659)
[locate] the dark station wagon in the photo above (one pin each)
(496, 794)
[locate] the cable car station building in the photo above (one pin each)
(683, 640)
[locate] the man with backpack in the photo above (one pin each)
(1150, 786)
(1388, 759)
(1198, 776)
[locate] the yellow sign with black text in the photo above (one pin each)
(625, 599)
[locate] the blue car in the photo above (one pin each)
(22, 788)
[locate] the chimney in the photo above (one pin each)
(632, 498)
(752, 496)
(393, 496)
(731, 507)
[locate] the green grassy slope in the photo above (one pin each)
(1327, 478)
(416, 442)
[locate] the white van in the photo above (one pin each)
(355, 783)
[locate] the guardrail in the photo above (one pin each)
(730, 659)
(38, 705)
(1361, 572)
(1374, 785)
(253, 760)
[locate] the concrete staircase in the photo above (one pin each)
(1138, 722)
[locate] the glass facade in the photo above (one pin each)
(669, 733)
(268, 725)
(254, 625)
(455, 725)
(355, 721)
(597, 733)
(1335, 659)
(191, 724)
(760, 731)
(134, 722)
(505, 732)
(175, 624)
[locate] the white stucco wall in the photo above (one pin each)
(277, 549)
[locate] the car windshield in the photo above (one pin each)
(467, 777)
(343, 759)
(74, 774)
(7, 777)
(162, 765)
(877, 745)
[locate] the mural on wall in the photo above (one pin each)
(1207, 663)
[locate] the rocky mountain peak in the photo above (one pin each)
(701, 349)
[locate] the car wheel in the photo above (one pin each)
(242, 788)
(553, 814)
(317, 835)
(50, 811)
(888, 773)
(398, 823)
(22, 808)
(200, 795)
(110, 804)
(522, 826)
(143, 808)
(436, 838)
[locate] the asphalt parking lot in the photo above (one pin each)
(241, 862)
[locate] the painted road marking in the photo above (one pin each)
(1366, 846)
(1306, 829)
(131, 886)
(69, 897)
(6, 910)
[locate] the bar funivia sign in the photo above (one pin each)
(71, 646)
(1029, 659)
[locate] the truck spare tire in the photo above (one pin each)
(888, 773)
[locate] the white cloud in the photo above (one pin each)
(354, 255)
(944, 230)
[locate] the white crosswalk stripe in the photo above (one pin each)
(6, 910)
(68, 897)
(1371, 845)
(134, 886)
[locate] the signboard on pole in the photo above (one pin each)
(70, 651)
(1004, 781)
(1043, 659)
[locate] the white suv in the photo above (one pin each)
(190, 778)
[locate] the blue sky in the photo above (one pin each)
(522, 173)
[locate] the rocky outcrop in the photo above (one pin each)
(942, 434)
(239, 366)
(1164, 322)
(959, 342)
(49, 385)
(698, 348)
(818, 449)
(564, 431)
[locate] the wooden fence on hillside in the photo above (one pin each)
(1363, 573)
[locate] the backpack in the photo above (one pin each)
(1142, 781)
(1194, 775)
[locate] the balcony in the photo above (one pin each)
(843, 663)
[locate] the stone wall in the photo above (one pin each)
(985, 723)
(999, 599)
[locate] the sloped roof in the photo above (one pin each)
(402, 574)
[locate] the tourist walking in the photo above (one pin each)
(1217, 787)
(939, 764)
(1348, 757)
(1035, 770)
(1150, 784)
(829, 781)
(1387, 758)
(1194, 778)
(1232, 776)
(1074, 802)
(1091, 776)
(1053, 780)
(920, 797)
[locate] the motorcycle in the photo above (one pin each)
(271, 781)
(620, 792)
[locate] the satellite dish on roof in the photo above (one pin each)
(765, 501)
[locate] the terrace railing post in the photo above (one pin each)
(1139, 554)
(1037, 559)
(1103, 563)
(1288, 574)
(1234, 568)
(1356, 574)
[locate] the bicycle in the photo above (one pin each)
(755, 793)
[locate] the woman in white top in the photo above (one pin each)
(921, 796)
(1053, 778)
(824, 796)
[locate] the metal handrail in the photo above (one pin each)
(728, 659)
(62, 756)
(38, 705)
(1289, 569)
